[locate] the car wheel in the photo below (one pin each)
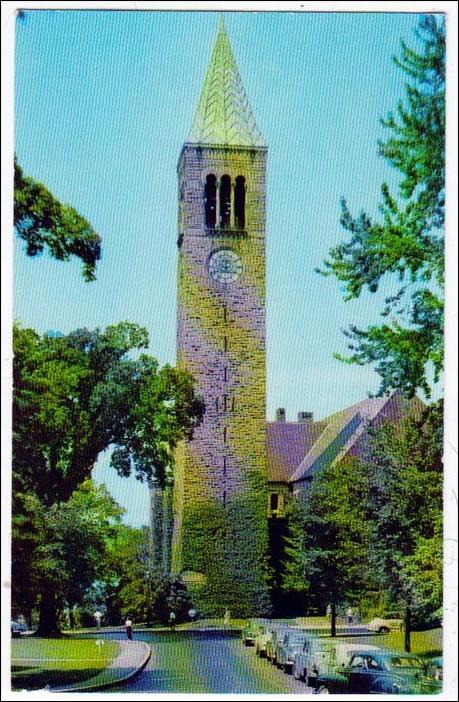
(383, 629)
(287, 668)
(322, 690)
(296, 673)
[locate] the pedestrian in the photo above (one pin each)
(171, 619)
(227, 617)
(329, 611)
(98, 617)
(128, 628)
(350, 615)
(192, 614)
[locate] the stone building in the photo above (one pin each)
(222, 525)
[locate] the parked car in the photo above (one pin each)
(261, 640)
(272, 643)
(293, 641)
(18, 628)
(250, 631)
(383, 626)
(323, 655)
(380, 672)
(435, 668)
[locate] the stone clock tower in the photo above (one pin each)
(220, 539)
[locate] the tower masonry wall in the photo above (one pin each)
(220, 482)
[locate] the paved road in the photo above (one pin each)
(206, 662)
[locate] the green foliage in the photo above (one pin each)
(405, 473)
(329, 535)
(77, 395)
(408, 242)
(58, 550)
(229, 546)
(370, 530)
(42, 221)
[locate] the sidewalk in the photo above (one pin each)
(132, 658)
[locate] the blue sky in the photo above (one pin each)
(104, 101)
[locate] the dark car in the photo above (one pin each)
(18, 628)
(384, 672)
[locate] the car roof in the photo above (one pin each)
(358, 647)
(384, 653)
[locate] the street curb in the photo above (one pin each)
(109, 683)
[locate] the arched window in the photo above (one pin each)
(225, 202)
(210, 199)
(239, 202)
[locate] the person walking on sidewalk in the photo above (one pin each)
(128, 628)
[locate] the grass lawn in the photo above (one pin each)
(424, 643)
(37, 662)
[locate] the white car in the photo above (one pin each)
(383, 626)
(323, 655)
(262, 638)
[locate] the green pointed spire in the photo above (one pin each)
(224, 115)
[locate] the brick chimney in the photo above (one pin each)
(280, 415)
(305, 417)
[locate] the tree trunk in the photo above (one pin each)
(408, 630)
(48, 625)
(167, 529)
(333, 619)
(71, 617)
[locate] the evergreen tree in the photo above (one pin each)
(408, 241)
(405, 477)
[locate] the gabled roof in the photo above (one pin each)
(338, 432)
(224, 116)
(287, 445)
(346, 432)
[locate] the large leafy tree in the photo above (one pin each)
(44, 222)
(329, 536)
(67, 551)
(77, 395)
(405, 477)
(407, 241)
(375, 523)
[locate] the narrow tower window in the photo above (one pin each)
(210, 200)
(225, 374)
(224, 465)
(239, 202)
(225, 202)
(225, 343)
(225, 434)
(225, 399)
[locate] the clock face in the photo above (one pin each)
(225, 266)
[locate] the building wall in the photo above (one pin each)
(220, 483)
